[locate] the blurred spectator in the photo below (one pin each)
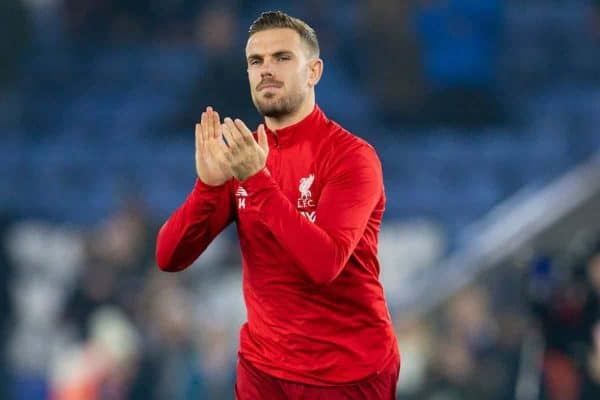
(118, 254)
(563, 329)
(391, 70)
(569, 315)
(15, 38)
(103, 366)
(172, 359)
(46, 257)
(460, 42)
(466, 339)
(416, 340)
(163, 341)
(223, 83)
(591, 387)
(470, 332)
(453, 374)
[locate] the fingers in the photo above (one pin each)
(209, 129)
(203, 122)
(228, 135)
(245, 133)
(262, 138)
(221, 155)
(218, 150)
(218, 144)
(208, 123)
(198, 134)
(237, 138)
(216, 126)
(238, 133)
(212, 124)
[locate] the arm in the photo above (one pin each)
(207, 210)
(347, 200)
(191, 228)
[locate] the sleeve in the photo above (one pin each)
(348, 198)
(190, 229)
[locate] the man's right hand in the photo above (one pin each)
(211, 166)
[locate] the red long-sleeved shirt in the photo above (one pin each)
(308, 226)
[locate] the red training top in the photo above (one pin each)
(308, 226)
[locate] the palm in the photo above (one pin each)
(210, 169)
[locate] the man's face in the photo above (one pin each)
(278, 71)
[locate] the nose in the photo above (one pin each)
(266, 69)
(266, 74)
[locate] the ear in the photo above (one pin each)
(315, 71)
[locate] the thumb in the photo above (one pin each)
(262, 138)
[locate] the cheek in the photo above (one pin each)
(297, 78)
(302, 77)
(252, 76)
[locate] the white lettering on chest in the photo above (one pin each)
(305, 200)
(311, 216)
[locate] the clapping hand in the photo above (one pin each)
(245, 155)
(211, 166)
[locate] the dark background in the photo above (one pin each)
(474, 106)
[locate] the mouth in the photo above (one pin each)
(269, 85)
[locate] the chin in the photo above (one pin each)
(270, 105)
(277, 106)
(272, 111)
(269, 96)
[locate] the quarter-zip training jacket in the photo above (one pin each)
(308, 227)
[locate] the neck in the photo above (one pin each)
(302, 112)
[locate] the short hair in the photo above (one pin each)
(278, 19)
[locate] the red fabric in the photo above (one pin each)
(253, 384)
(562, 379)
(308, 226)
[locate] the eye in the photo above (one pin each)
(283, 58)
(254, 61)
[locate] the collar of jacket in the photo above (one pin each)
(309, 127)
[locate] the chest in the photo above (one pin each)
(300, 173)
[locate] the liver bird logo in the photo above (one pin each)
(304, 187)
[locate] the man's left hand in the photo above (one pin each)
(245, 155)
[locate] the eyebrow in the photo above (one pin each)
(276, 54)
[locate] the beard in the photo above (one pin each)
(281, 107)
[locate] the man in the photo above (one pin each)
(307, 197)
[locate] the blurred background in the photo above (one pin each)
(485, 113)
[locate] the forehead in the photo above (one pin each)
(271, 40)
